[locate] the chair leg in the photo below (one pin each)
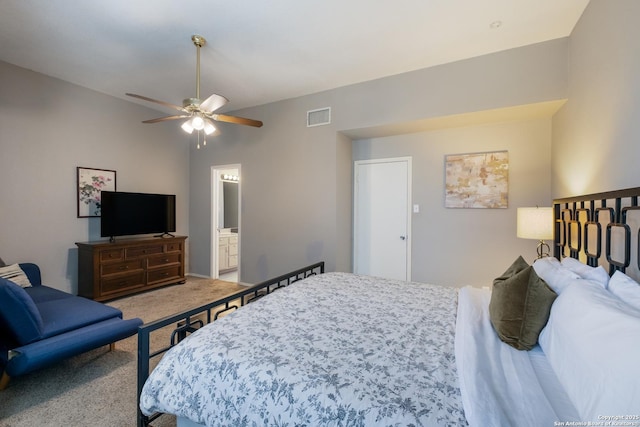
(4, 380)
(112, 346)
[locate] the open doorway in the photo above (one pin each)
(225, 222)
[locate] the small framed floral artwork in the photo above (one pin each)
(90, 183)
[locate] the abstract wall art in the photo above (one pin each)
(477, 180)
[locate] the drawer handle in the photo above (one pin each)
(166, 260)
(124, 267)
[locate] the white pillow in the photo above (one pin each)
(591, 343)
(625, 288)
(14, 273)
(597, 274)
(551, 271)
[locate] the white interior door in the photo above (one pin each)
(382, 221)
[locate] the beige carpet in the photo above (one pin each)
(98, 388)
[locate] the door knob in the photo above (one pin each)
(402, 237)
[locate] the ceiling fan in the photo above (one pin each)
(199, 113)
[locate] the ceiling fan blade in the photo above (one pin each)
(166, 104)
(236, 120)
(162, 119)
(213, 102)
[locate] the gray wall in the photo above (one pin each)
(296, 181)
(289, 181)
(469, 246)
(596, 135)
(49, 127)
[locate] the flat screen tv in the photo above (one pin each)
(125, 214)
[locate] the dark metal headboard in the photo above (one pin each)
(600, 229)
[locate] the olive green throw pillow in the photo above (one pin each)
(520, 305)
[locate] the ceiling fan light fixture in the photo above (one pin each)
(197, 122)
(187, 126)
(209, 128)
(198, 112)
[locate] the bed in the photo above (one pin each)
(315, 348)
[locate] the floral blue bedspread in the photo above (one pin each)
(335, 349)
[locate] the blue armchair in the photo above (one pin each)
(40, 325)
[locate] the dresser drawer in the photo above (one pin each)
(112, 255)
(163, 274)
(157, 260)
(121, 267)
(122, 282)
(174, 247)
(144, 251)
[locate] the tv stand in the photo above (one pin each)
(108, 270)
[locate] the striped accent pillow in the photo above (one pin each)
(14, 273)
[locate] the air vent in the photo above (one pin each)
(321, 116)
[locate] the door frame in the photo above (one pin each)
(356, 164)
(216, 171)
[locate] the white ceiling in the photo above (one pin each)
(260, 51)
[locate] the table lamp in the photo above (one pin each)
(536, 223)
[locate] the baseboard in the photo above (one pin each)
(202, 276)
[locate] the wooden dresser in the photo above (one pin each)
(108, 270)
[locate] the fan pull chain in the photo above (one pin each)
(204, 141)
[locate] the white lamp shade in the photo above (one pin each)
(535, 223)
(186, 126)
(197, 122)
(209, 128)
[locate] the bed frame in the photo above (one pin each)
(600, 229)
(191, 320)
